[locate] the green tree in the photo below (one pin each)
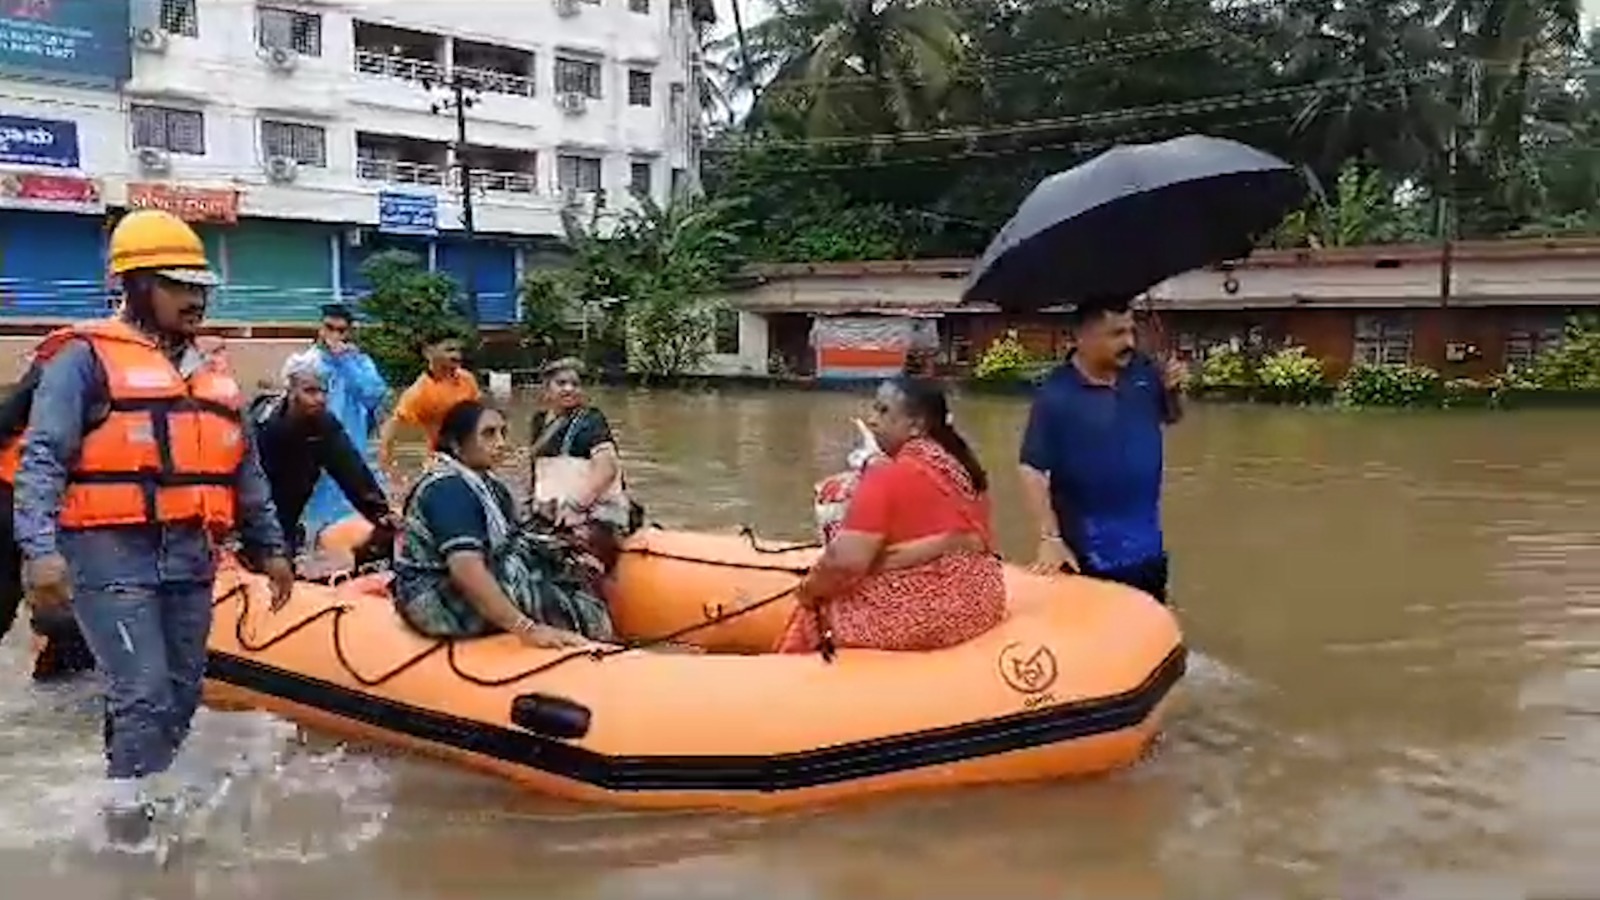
(844, 66)
(405, 305)
(660, 269)
(1479, 107)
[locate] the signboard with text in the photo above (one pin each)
(219, 206)
(81, 42)
(401, 212)
(26, 141)
(55, 193)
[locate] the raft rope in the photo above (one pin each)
(338, 612)
(745, 531)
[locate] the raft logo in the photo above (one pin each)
(1028, 668)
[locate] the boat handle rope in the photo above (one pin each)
(337, 613)
(599, 653)
(745, 531)
(242, 591)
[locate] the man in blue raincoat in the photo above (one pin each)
(356, 393)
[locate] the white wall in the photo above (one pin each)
(753, 350)
(221, 73)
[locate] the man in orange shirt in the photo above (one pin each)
(443, 384)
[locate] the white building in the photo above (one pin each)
(282, 129)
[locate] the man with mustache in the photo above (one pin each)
(136, 462)
(1092, 453)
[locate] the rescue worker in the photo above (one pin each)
(137, 460)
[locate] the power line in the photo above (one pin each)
(1082, 145)
(1195, 106)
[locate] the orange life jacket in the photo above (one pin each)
(169, 447)
(11, 447)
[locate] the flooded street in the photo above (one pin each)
(1395, 693)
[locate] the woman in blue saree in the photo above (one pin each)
(465, 567)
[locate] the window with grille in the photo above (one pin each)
(289, 29)
(173, 130)
(180, 17)
(578, 76)
(639, 87)
(578, 173)
(639, 6)
(639, 177)
(1382, 341)
(675, 102)
(1530, 338)
(727, 332)
(305, 144)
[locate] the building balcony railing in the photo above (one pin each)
(432, 175)
(395, 171)
(500, 181)
(405, 68)
(496, 82)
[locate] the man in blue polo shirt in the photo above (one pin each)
(1092, 453)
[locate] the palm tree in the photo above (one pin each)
(854, 66)
(1510, 45)
(1384, 65)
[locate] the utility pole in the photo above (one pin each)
(462, 98)
(1466, 74)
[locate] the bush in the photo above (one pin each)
(1290, 375)
(1409, 386)
(1573, 366)
(1225, 367)
(1005, 360)
(407, 302)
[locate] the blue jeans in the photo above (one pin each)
(150, 643)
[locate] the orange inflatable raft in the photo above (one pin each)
(1074, 683)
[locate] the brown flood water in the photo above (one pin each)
(1396, 694)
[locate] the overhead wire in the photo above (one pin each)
(1169, 109)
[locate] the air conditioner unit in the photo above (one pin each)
(154, 159)
(573, 103)
(150, 40)
(567, 8)
(280, 58)
(282, 168)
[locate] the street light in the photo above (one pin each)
(463, 96)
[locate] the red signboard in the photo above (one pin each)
(215, 205)
(28, 189)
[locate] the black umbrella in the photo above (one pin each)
(1133, 217)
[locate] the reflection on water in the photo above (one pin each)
(1396, 694)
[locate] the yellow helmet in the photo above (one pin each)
(157, 241)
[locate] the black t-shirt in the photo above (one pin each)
(295, 450)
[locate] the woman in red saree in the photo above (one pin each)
(912, 566)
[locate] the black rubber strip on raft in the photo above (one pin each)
(790, 771)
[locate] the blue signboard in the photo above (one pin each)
(73, 41)
(38, 142)
(408, 213)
